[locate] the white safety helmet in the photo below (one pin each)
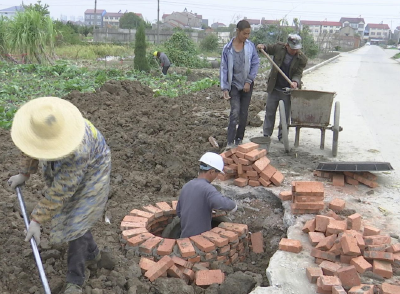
(212, 160)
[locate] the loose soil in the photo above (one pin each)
(156, 144)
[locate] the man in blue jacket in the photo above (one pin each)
(239, 67)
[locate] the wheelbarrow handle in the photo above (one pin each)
(276, 66)
(33, 243)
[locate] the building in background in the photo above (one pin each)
(321, 30)
(111, 19)
(356, 23)
(11, 11)
(377, 33)
(217, 25)
(90, 17)
(182, 20)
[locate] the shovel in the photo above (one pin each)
(33, 243)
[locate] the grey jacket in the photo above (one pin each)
(164, 59)
(197, 200)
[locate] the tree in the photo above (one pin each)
(42, 9)
(130, 21)
(209, 43)
(85, 30)
(140, 61)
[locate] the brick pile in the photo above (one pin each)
(248, 165)
(345, 249)
(352, 178)
(306, 197)
(187, 258)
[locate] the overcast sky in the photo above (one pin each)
(230, 11)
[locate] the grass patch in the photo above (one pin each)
(396, 56)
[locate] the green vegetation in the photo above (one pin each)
(92, 51)
(209, 43)
(396, 56)
(130, 21)
(21, 82)
(140, 61)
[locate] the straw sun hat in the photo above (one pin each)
(48, 128)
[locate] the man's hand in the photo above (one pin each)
(246, 87)
(226, 95)
(33, 231)
(293, 85)
(260, 46)
(17, 180)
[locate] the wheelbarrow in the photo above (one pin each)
(311, 109)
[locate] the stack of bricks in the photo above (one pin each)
(306, 197)
(352, 178)
(248, 165)
(141, 232)
(344, 249)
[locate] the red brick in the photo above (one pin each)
(382, 268)
(181, 262)
(253, 178)
(159, 268)
(321, 223)
(348, 276)
(225, 177)
(209, 277)
(240, 154)
(255, 154)
(165, 207)
(267, 172)
(309, 205)
(145, 264)
(382, 247)
(135, 219)
(354, 222)
(261, 165)
(257, 242)
(126, 234)
(395, 248)
(217, 239)
(248, 168)
(319, 287)
(232, 236)
(326, 243)
(130, 225)
(244, 162)
(337, 204)
(174, 203)
(336, 226)
(224, 249)
(327, 282)
(245, 148)
(350, 181)
(338, 290)
(338, 180)
(369, 176)
(377, 240)
(336, 248)
(234, 167)
(264, 182)
(329, 268)
(237, 228)
(166, 247)
(371, 231)
(240, 182)
(194, 259)
(186, 248)
(346, 258)
(234, 258)
(141, 213)
(313, 273)
(387, 256)
(360, 241)
(307, 198)
(349, 245)
(365, 181)
(323, 254)
(396, 257)
(138, 239)
(155, 210)
(254, 183)
(240, 169)
(227, 161)
(229, 170)
(362, 289)
(290, 245)
(251, 173)
(361, 264)
(285, 195)
(189, 274)
(333, 214)
(315, 237)
(309, 226)
(390, 289)
(277, 178)
(309, 188)
(202, 243)
(176, 272)
(148, 245)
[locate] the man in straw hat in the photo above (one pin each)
(76, 164)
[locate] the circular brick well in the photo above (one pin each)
(142, 231)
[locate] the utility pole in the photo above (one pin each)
(158, 21)
(95, 17)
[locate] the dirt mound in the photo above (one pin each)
(155, 144)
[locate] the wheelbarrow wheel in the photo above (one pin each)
(285, 131)
(336, 129)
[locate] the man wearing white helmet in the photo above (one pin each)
(292, 61)
(198, 198)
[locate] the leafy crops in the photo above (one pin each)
(22, 82)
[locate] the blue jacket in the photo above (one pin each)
(252, 62)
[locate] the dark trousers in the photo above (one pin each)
(165, 69)
(80, 250)
(270, 112)
(240, 102)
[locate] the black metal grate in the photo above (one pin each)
(354, 166)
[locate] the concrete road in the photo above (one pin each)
(367, 85)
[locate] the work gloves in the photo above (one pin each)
(33, 231)
(17, 180)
